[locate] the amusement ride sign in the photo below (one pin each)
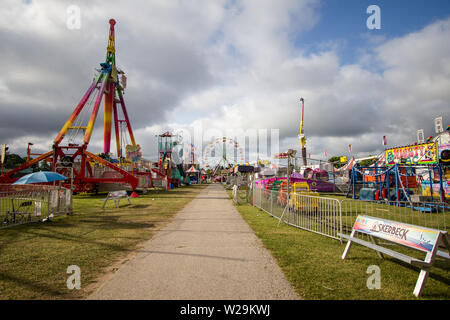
(420, 154)
(133, 153)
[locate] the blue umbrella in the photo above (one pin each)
(39, 177)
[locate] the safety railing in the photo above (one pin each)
(330, 216)
(317, 214)
(241, 194)
(425, 214)
(25, 204)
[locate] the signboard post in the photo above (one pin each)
(423, 239)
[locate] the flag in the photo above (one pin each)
(325, 152)
(384, 141)
(350, 148)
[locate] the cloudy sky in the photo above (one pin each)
(231, 64)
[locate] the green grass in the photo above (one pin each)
(312, 263)
(35, 257)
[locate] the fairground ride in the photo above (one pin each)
(170, 164)
(223, 152)
(301, 134)
(70, 156)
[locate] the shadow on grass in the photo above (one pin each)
(53, 233)
(140, 206)
(110, 206)
(438, 264)
(431, 274)
(36, 287)
(95, 222)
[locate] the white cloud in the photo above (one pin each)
(345, 104)
(226, 64)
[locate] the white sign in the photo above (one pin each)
(37, 208)
(68, 197)
(54, 196)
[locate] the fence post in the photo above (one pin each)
(271, 202)
(340, 220)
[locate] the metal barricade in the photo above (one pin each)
(321, 215)
(425, 214)
(329, 216)
(27, 203)
(313, 213)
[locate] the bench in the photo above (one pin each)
(116, 196)
(423, 239)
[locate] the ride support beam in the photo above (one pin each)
(116, 128)
(8, 176)
(108, 110)
(131, 179)
(125, 114)
(76, 112)
(87, 135)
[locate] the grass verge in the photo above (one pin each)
(35, 257)
(312, 264)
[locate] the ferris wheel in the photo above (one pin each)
(222, 151)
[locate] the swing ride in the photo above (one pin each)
(70, 156)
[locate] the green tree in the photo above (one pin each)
(368, 162)
(13, 161)
(336, 161)
(44, 166)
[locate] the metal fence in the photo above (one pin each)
(31, 203)
(425, 214)
(241, 194)
(321, 215)
(329, 216)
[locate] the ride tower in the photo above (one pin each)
(69, 155)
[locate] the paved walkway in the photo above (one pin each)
(207, 252)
